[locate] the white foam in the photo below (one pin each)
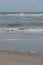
(18, 30)
(22, 14)
(35, 14)
(31, 51)
(35, 30)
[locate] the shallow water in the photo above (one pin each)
(22, 41)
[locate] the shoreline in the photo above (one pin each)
(20, 58)
(21, 51)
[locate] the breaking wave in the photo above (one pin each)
(21, 30)
(22, 14)
(35, 30)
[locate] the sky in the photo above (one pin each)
(21, 5)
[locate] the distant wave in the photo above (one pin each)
(23, 24)
(22, 14)
(21, 40)
(9, 39)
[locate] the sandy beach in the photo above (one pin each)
(20, 58)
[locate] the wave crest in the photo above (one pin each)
(22, 14)
(20, 30)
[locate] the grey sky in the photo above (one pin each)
(21, 5)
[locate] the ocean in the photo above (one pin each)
(21, 31)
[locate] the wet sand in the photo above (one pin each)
(20, 58)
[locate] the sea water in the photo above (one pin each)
(29, 33)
